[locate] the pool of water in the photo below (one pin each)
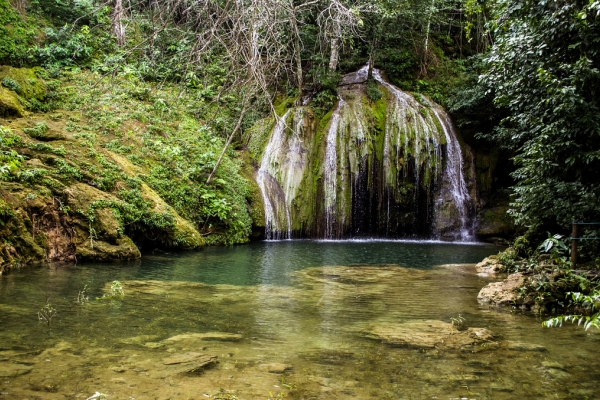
(291, 319)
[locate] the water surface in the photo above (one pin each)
(291, 319)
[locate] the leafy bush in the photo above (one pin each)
(11, 84)
(10, 160)
(373, 91)
(38, 130)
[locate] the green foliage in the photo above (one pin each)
(5, 210)
(373, 91)
(38, 130)
(590, 303)
(31, 176)
(544, 69)
(459, 322)
(11, 84)
(47, 313)
(66, 169)
(116, 291)
(63, 47)
(554, 243)
(10, 160)
(60, 151)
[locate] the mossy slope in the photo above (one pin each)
(112, 170)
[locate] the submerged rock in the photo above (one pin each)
(504, 292)
(10, 369)
(217, 336)
(189, 363)
(521, 346)
(429, 334)
(276, 368)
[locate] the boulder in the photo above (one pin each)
(522, 346)
(9, 104)
(494, 222)
(503, 292)
(489, 266)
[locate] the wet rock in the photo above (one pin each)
(520, 346)
(138, 339)
(216, 336)
(189, 363)
(501, 388)
(10, 369)
(504, 292)
(556, 373)
(489, 266)
(552, 364)
(154, 345)
(429, 334)
(276, 368)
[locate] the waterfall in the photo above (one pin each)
(391, 168)
(454, 174)
(277, 212)
(330, 172)
(280, 173)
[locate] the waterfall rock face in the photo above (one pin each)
(391, 168)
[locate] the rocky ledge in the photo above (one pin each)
(503, 293)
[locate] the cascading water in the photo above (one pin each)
(330, 173)
(280, 174)
(277, 212)
(386, 168)
(454, 174)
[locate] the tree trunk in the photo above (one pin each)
(237, 127)
(335, 46)
(424, 68)
(335, 53)
(298, 57)
(117, 22)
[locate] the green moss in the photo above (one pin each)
(9, 104)
(29, 84)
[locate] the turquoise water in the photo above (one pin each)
(293, 319)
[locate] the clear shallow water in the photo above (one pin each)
(308, 307)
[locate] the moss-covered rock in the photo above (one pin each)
(29, 85)
(10, 107)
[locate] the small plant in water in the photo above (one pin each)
(116, 289)
(459, 322)
(82, 296)
(47, 312)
